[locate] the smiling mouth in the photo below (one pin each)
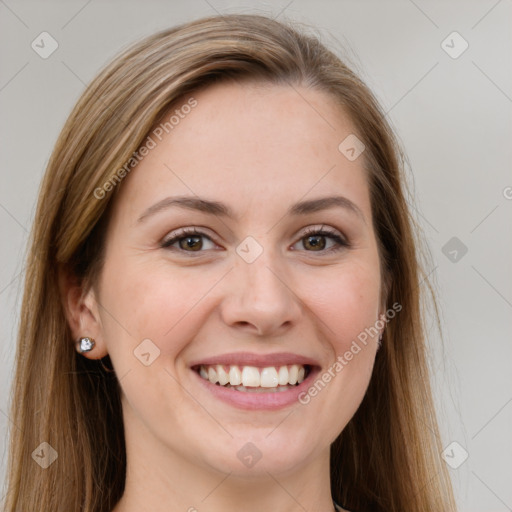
(252, 379)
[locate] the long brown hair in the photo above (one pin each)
(388, 456)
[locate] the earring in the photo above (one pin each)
(85, 344)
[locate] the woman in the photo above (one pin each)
(222, 308)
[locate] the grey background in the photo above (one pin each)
(453, 117)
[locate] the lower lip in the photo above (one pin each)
(258, 401)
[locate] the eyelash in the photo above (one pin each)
(187, 232)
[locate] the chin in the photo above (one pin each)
(259, 452)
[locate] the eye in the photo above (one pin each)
(314, 240)
(188, 239)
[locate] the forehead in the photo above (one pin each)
(249, 143)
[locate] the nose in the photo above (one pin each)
(260, 298)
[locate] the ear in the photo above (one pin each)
(82, 313)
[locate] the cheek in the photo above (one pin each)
(346, 300)
(153, 302)
(346, 303)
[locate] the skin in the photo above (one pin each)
(259, 149)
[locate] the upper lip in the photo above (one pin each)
(258, 360)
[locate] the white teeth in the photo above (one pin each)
(212, 375)
(235, 376)
(250, 377)
(222, 375)
(283, 376)
(269, 378)
(293, 374)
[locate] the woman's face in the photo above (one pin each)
(265, 286)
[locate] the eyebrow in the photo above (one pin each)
(223, 210)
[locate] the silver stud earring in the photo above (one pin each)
(85, 344)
